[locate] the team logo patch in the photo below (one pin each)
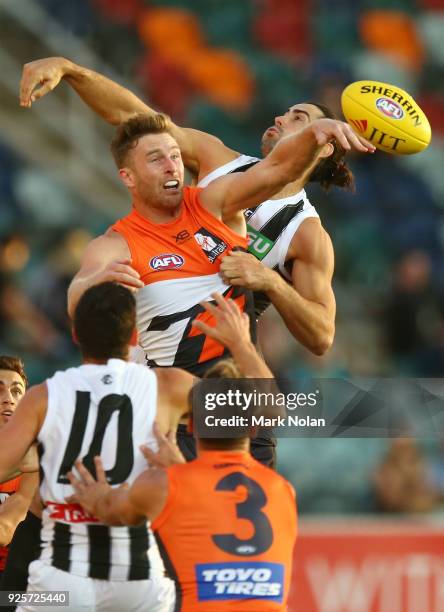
(390, 108)
(210, 244)
(182, 236)
(248, 580)
(167, 261)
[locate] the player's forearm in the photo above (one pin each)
(295, 156)
(111, 101)
(249, 362)
(12, 512)
(309, 322)
(76, 289)
(107, 509)
(114, 509)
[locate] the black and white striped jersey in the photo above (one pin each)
(105, 410)
(270, 225)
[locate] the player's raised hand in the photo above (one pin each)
(168, 453)
(120, 271)
(87, 490)
(325, 130)
(232, 325)
(40, 77)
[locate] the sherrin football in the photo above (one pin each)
(387, 116)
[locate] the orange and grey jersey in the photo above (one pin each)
(270, 225)
(226, 534)
(179, 264)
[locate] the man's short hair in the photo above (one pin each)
(14, 364)
(128, 134)
(104, 321)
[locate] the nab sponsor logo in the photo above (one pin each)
(389, 108)
(169, 261)
(243, 580)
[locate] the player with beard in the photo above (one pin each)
(294, 256)
(170, 247)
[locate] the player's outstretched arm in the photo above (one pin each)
(293, 158)
(201, 152)
(17, 436)
(232, 329)
(108, 99)
(106, 258)
(308, 305)
(14, 509)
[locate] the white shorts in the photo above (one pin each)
(92, 595)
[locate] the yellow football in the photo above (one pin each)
(387, 116)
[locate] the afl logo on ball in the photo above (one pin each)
(390, 108)
(167, 261)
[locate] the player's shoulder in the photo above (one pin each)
(167, 378)
(310, 241)
(109, 243)
(272, 481)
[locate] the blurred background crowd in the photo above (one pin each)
(229, 67)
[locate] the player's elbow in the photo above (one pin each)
(322, 342)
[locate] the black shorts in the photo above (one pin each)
(24, 548)
(263, 449)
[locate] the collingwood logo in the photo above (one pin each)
(210, 244)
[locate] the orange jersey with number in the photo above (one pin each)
(6, 490)
(227, 533)
(179, 264)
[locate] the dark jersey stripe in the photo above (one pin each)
(170, 571)
(99, 537)
(274, 227)
(244, 167)
(61, 545)
(139, 540)
(190, 347)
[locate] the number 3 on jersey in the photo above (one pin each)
(249, 509)
(106, 408)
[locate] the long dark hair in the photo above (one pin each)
(332, 170)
